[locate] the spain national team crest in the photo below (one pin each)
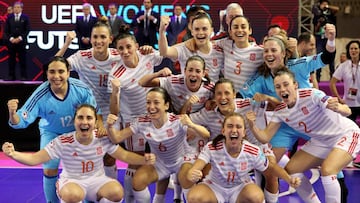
(99, 151)
(148, 65)
(243, 166)
(252, 57)
(305, 110)
(169, 132)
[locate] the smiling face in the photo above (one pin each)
(156, 105)
(286, 88)
(194, 72)
(234, 132)
(84, 122)
(100, 41)
(57, 75)
(274, 54)
(240, 31)
(201, 31)
(354, 51)
(127, 48)
(224, 97)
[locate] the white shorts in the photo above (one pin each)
(165, 170)
(226, 194)
(321, 148)
(90, 185)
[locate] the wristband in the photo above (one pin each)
(330, 43)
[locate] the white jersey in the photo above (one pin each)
(132, 95)
(240, 64)
(350, 74)
(213, 119)
(179, 92)
(228, 171)
(80, 161)
(168, 143)
(95, 73)
(310, 116)
(214, 60)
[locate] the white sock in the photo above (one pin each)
(185, 193)
(177, 187)
(332, 188)
(283, 161)
(142, 196)
(271, 197)
(104, 200)
(158, 198)
(111, 171)
(305, 190)
(258, 177)
(129, 196)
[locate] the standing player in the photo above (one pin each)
(241, 58)
(231, 158)
(334, 139)
(128, 95)
(93, 66)
(81, 153)
(201, 30)
(54, 102)
(166, 134)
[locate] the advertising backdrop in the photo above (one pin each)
(51, 19)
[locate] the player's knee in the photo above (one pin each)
(50, 172)
(109, 160)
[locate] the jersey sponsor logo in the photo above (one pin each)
(305, 110)
(170, 133)
(243, 166)
(252, 57)
(113, 64)
(99, 151)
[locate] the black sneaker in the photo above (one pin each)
(177, 201)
